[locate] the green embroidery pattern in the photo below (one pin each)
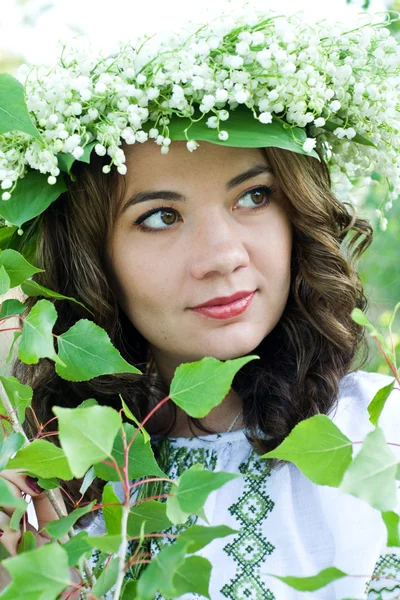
(388, 565)
(250, 548)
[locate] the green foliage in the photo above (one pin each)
(392, 522)
(87, 435)
(59, 528)
(17, 211)
(19, 394)
(42, 458)
(141, 461)
(318, 448)
(14, 114)
(316, 582)
(86, 352)
(41, 573)
(37, 339)
(11, 308)
(17, 267)
(200, 386)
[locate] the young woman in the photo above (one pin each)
(223, 252)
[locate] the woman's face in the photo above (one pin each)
(216, 229)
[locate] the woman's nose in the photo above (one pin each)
(217, 246)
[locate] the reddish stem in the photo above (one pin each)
(143, 423)
(392, 367)
(153, 498)
(11, 329)
(142, 482)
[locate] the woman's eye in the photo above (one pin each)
(260, 197)
(159, 218)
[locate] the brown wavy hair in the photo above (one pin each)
(302, 360)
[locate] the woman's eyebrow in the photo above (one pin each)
(177, 197)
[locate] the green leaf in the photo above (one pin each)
(112, 514)
(6, 235)
(40, 574)
(359, 317)
(7, 497)
(87, 435)
(37, 339)
(194, 486)
(27, 543)
(129, 591)
(359, 139)
(311, 584)
(16, 335)
(152, 513)
(11, 308)
(105, 543)
(9, 446)
(372, 474)
(174, 512)
(245, 131)
(31, 288)
(30, 198)
(88, 352)
(318, 448)
(193, 576)
(377, 404)
(107, 579)
(66, 160)
(42, 458)
(15, 522)
(87, 403)
(141, 462)
(20, 395)
(14, 114)
(48, 483)
(17, 267)
(60, 527)
(392, 522)
(77, 547)
(199, 536)
(198, 387)
(87, 480)
(132, 417)
(159, 574)
(5, 282)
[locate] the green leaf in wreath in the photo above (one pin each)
(14, 114)
(392, 522)
(17, 267)
(129, 591)
(105, 543)
(194, 486)
(378, 402)
(6, 235)
(37, 339)
(198, 387)
(19, 394)
(60, 527)
(31, 288)
(112, 510)
(5, 282)
(244, 132)
(42, 458)
(152, 513)
(316, 582)
(30, 198)
(66, 160)
(141, 462)
(107, 579)
(193, 576)
(87, 352)
(11, 308)
(90, 476)
(372, 474)
(87, 435)
(318, 448)
(359, 139)
(41, 573)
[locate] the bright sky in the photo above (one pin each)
(108, 22)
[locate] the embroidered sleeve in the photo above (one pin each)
(385, 581)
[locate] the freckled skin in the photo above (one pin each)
(215, 247)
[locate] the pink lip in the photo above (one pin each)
(224, 299)
(226, 311)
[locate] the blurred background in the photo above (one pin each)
(31, 31)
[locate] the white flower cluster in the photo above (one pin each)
(336, 84)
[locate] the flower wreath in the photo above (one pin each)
(250, 79)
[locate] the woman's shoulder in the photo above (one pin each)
(356, 391)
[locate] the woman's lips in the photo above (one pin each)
(226, 311)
